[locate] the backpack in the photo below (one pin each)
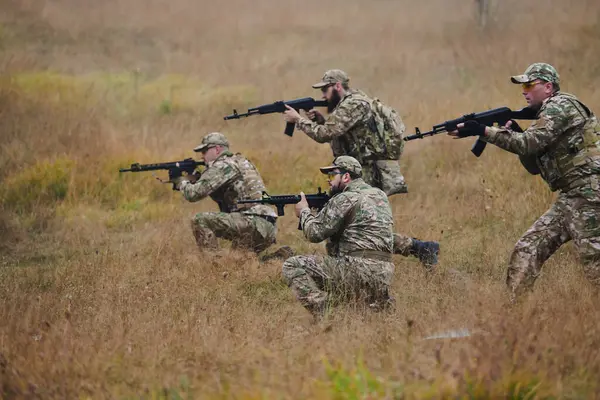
(390, 127)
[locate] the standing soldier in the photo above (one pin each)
(357, 224)
(563, 145)
(228, 178)
(371, 132)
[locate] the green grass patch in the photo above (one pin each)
(268, 293)
(131, 94)
(43, 183)
(358, 383)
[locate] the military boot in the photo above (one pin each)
(426, 252)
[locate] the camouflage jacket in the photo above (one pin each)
(359, 218)
(564, 140)
(228, 179)
(351, 129)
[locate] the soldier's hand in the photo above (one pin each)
(291, 115)
(193, 178)
(513, 126)
(301, 205)
(469, 128)
(177, 181)
(315, 116)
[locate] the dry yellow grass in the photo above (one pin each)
(104, 294)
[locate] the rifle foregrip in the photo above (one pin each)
(478, 147)
(289, 129)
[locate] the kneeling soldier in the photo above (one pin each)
(358, 224)
(228, 178)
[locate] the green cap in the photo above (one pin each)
(347, 163)
(211, 140)
(331, 77)
(543, 71)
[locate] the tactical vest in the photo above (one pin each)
(249, 186)
(572, 151)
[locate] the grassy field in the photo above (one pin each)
(103, 291)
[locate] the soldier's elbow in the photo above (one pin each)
(313, 238)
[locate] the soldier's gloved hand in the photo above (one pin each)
(470, 128)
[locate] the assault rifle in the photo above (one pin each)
(175, 168)
(498, 116)
(305, 103)
(317, 200)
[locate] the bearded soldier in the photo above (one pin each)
(563, 145)
(363, 128)
(228, 178)
(357, 224)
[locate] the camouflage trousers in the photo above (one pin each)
(321, 280)
(249, 232)
(569, 218)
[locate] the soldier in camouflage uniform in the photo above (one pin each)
(357, 224)
(228, 178)
(563, 145)
(350, 128)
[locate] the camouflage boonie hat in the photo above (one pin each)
(346, 163)
(211, 140)
(331, 77)
(543, 71)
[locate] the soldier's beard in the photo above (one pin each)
(333, 190)
(334, 100)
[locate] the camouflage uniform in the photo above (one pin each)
(357, 224)
(564, 143)
(230, 178)
(351, 130)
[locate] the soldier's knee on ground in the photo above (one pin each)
(205, 238)
(292, 268)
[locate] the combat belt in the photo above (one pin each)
(371, 255)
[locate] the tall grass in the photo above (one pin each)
(104, 294)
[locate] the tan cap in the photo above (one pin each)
(211, 140)
(346, 163)
(543, 71)
(332, 76)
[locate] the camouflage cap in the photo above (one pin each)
(346, 163)
(543, 71)
(211, 140)
(332, 76)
